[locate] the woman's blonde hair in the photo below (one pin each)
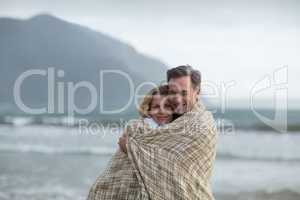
(145, 105)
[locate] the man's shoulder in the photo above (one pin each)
(205, 120)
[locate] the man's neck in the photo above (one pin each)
(191, 106)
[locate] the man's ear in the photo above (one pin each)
(198, 90)
(197, 93)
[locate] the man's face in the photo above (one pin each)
(182, 94)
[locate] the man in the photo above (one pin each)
(184, 89)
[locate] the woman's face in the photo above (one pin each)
(160, 110)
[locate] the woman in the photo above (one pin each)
(155, 111)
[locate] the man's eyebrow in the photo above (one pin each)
(176, 91)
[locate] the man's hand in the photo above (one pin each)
(122, 142)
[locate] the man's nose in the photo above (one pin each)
(177, 98)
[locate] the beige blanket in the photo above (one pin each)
(172, 162)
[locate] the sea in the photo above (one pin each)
(49, 159)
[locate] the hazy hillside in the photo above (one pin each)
(45, 41)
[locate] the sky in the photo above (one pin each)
(236, 43)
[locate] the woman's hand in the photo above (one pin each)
(122, 142)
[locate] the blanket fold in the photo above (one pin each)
(174, 161)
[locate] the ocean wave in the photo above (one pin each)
(30, 148)
(55, 192)
(258, 157)
(69, 121)
(40, 120)
(262, 195)
(26, 148)
(17, 121)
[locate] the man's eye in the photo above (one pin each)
(183, 93)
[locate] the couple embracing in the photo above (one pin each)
(167, 154)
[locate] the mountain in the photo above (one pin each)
(45, 41)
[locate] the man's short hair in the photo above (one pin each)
(185, 70)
